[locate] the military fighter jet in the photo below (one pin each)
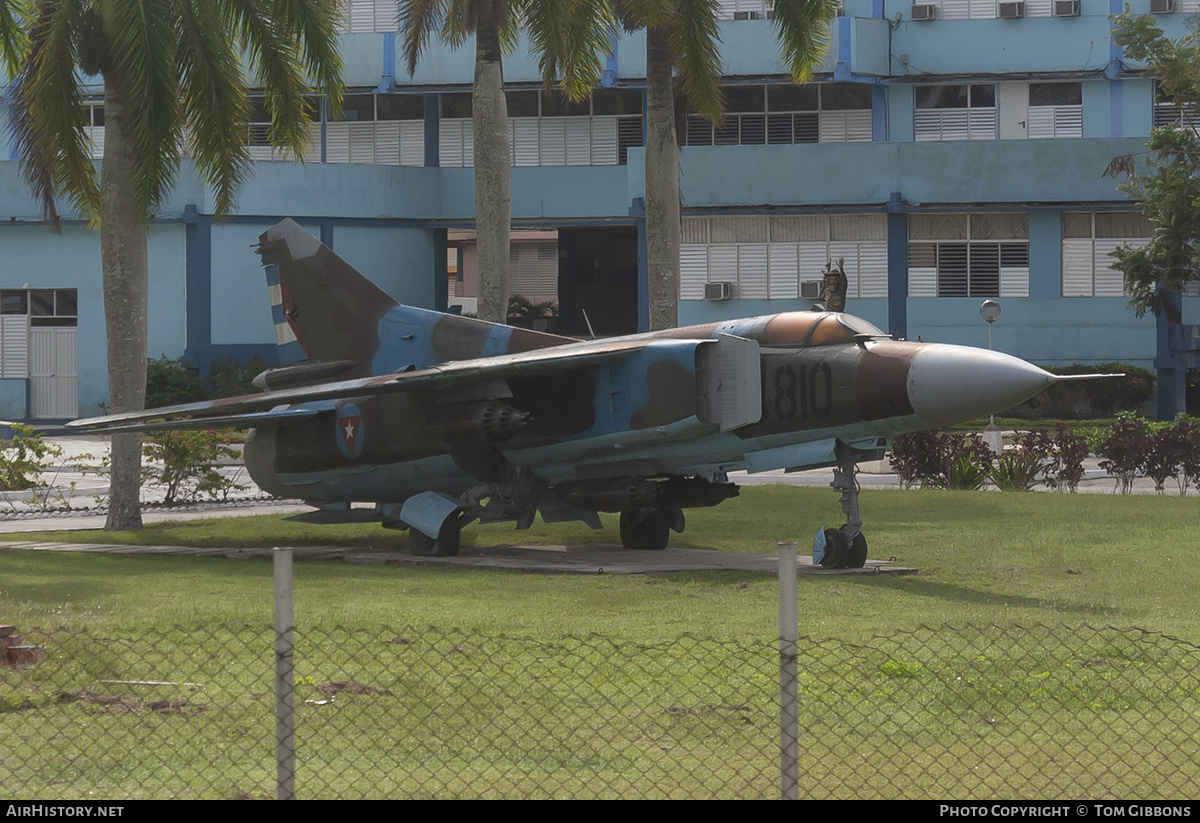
(439, 420)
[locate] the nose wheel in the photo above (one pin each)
(846, 546)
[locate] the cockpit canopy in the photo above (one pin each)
(803, 329)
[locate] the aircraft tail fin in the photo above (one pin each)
(324, 310)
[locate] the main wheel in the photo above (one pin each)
(857, 556)
(446, 544)
(645, 529)
(837, 548)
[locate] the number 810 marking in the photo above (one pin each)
(804, 390)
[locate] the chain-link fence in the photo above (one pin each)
(951, 712)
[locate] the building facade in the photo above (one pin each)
(947, 152)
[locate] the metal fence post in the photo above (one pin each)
(789, 720)
(285, 682)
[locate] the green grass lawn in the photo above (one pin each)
(494, 684)
(983, 557)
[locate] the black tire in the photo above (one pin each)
(837, 548)
(645, 529)
(857, 556)
(446, 545)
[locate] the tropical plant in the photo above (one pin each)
(14, 39)
(569, 36)
(1064, 466)
(175, 75)
(1125, 451)
(1167, 187)
(1017, 468)
(184, 465)
(22, 457)
(683, 42)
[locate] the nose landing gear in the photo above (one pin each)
(846, 546)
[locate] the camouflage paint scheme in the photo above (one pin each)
(438, 419)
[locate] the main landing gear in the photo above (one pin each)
(846, 547)
(444, 545)
(649, 529)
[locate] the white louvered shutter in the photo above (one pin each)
(783, 263)
(693, 271)
(753, 281)
(604, 141)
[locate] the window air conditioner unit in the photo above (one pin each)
(718, 291)
(1012, 11)
(924, 11)
(1066, 8)
(1162, 6)
(810, 289)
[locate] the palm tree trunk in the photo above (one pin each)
(662, 184)
(493, 170)
(123, 261)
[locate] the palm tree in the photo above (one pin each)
(682, 42)
(173, 77)
(569, 36)
(14, 40)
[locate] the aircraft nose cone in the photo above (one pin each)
(953, 384)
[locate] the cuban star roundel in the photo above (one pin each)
(349, 431)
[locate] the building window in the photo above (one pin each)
(744, 10)
(989, 9)
(1088, 239)
(546, 129)
(533, 269)
(968, 255)
(258, 132)
(766, 258)
(1169, 113)
(1055, 110)
(95, 129)
(958, 112)
(383, 129)
(361, 16)
(814, 113)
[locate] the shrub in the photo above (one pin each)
(1126, 449)
(943, 461)
(22, 458)
(184, 464)
(1080, 400)
(1064, 465)
(916, 456)
(1017, 469)
(230, 378)
(171, 382)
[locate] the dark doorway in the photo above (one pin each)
(597, 274)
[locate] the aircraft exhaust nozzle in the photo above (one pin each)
(952, 384)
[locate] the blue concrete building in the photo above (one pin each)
(949, 152)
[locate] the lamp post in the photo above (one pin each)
(989, 310)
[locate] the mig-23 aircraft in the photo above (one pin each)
(439, 420)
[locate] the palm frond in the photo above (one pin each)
(14, 39)
(803, 27)
(273, 53)
(571, 38)
(214, 100)
(48, 115)
(420, 20)
(459, 21)
(311, 23)
(635, 14)
(141, 71)
(696, 50)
